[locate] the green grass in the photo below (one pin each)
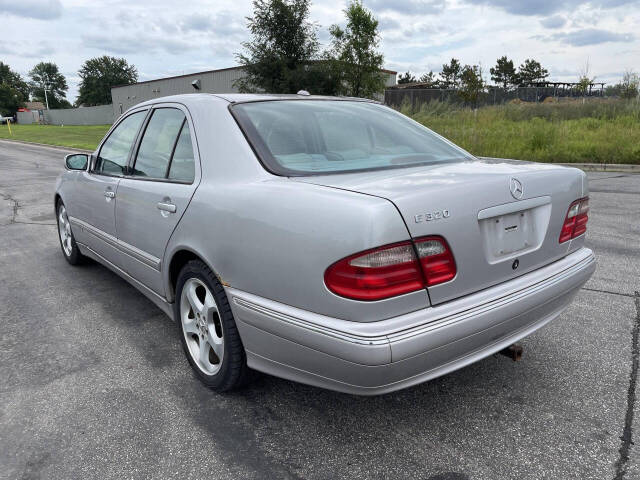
(593, 132)
(76, 136)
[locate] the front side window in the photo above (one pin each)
(158, 143)
(306, 137)
(113, 156)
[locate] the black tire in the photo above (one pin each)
(233, 371)
(74, 257)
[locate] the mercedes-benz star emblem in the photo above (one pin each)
(517, 190)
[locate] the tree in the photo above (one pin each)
(406, 78)
(429, 79)
(13, 90)
(354, 56)
(451, 74)
(531, 71)
(99, 74)
(584, 81)
(280, 57)
(14, 80)
(504, 73)
(46, 75)
(629, 87)
(471, 84)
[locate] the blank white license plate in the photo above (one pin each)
(510, 233)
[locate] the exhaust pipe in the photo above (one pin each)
(514, 352)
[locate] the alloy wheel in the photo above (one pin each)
(201, 326)
(64, 229)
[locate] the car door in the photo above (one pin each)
(93, 211)
(164, 174)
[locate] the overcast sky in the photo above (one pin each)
(163, 37)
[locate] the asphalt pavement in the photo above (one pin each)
(94, 384)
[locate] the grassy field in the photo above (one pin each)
(598, 131)
(68, 136)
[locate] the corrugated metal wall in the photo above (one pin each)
(217, 81)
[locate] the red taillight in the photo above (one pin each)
(436, 259)
(376, 274)
(392, 270)
(575, 223)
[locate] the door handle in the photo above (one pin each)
(167, 207)
(109, 194)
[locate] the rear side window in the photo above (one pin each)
(114, 153)
(183, 164)
(158, 142)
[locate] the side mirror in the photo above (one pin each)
(76, 161)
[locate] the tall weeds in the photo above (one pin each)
(605, 131)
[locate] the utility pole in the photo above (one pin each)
(45, 86)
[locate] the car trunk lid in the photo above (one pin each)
(501, 218)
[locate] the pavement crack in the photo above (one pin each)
(609, 292)
(14, 207)
(627, 431)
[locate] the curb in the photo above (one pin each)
(57, 147)
(587, 167)
(604, 167)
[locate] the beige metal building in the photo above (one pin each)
(213, 81)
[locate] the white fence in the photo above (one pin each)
(100, 115)
(28, 117)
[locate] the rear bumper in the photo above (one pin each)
(383, 356)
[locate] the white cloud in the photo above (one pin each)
(411, 7)
(38, 9)
(592, 36)
(557, 21)
(547, 7)
(162, 37)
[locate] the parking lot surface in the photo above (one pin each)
(94, 384)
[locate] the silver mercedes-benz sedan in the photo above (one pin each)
(329, 241)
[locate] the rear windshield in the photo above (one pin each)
(305, 137)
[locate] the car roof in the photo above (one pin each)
(261, 97)
(192, 98)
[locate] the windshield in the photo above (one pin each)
(304, 137)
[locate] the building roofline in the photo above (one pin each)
(238, 67)
(179, 76)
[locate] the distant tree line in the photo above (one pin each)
(97, 75)
(285, 56)
(503, 74)
(469, 81)
(628, 87)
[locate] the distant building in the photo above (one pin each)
(34, 106)
(32, 112)
(212, 81)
